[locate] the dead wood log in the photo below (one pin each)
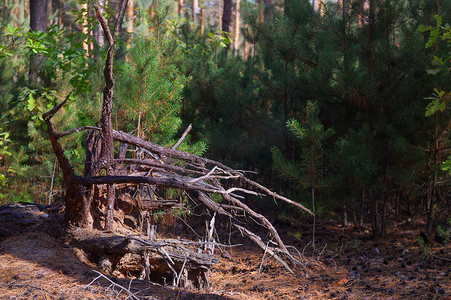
(16, 219)
(187, 267)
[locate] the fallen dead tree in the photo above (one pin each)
(156, 167)
(175, 260)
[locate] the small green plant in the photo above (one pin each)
(216, 197)
(296, 235)
(425, 248)
(4, 140)
(356, 245)
(439, 100)
(443, 233)
(307, 173)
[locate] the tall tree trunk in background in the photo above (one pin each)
(98, 32)
(129, 16)
(369, 13)
(267, 11)
(84, 29)
(236, 37)
(25, 11)
(51, 9)
(38, 21)
(286, 7)
(38, 15)
(340, 7)
(227, 17)
(180, 8)
(316, 5)
(245, 46)
(202, 22)
(363, 12)
(20, 11)
(195, 10)
(261, 15)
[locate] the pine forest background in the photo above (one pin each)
(341, 102)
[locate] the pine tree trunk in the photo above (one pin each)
(130, 15)
(314, 216)
(226, 15)
(84, 28)
(245, 46)
(316, 5)
(38, 21)
(236, 39)
(340, 7)
(180, 8)
(195, 10)
(25, 6)
(364, 12)
(202, 22)
(38, 15)
(374, 216)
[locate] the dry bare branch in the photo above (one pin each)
(182, 138)
(130, 294)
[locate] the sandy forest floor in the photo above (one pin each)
(346, 265)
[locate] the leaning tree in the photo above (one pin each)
(163, 167)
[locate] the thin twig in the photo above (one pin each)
(205, 176)
(321, 253)
(115, 284)
(180, 274)
(48, 115)
(441, 258)
(303, 250)
(67, 132)
(263, 258)
(187, 130)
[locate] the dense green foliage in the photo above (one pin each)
(439, 101)
(363, 75)
(369, 80)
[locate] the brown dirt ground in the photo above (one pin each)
(346, 265)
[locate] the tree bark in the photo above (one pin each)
(74, 199)
(195, 10)
(38, 21)
(84, 28)
(316, 5)
(226, 15)
(98, 33)
(38, 15)
(106, 141)
(202, 22)
(340, 7)
(236, 38)
(180, 8)
(130, 16)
